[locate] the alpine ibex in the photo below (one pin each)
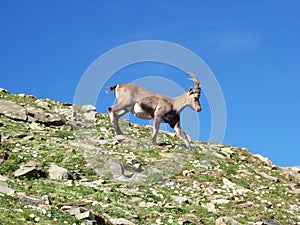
(147, 105)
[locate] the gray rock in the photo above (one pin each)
(263, 159)
(93, 184)
(21, 134)
(216, 154)
(269, 177)
(227, 151)
(35, 126)
(86, 215)
(295, 191)
(57, 173)
(49, 119)
(115, 167)
(182, 221)
(30, 169)
(67, 128)
(121, 221)
(67, 112)
(180, 199)
(211, 207)
(235, 187)
(89, 108)
(226, 221)
(268, 221)
(102, 142)
(291, 173)
(42, 104)
(220, 201)
(74, 211)
(83, 146)
(136, 177)
(89, 222)
(91, 115)
(4, 189)
(119, 138)
(147, 204)
(12, 110)
(29, 199)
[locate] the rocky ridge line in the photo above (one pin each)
(63, 161)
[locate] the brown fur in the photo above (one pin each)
(147, 105)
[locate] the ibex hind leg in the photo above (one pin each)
(156, 123)
(115, 113)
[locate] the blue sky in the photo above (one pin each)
(252, 48)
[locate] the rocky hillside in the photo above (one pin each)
(62, 164)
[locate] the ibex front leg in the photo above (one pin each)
(181, 134)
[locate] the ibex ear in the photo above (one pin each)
(191, 91)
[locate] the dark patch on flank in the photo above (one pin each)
(171, 117)
(148, 109)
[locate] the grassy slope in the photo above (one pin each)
(147, 202)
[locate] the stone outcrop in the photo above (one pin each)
(12, 110)
(17, 112)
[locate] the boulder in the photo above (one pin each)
(115, 167)
(12, 110)
(49, 119)
(29, 199)
(30, 169)
(57, 173)
(43, 104)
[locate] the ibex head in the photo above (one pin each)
(194, 93)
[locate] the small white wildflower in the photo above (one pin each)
(37, 219)
(158, 221)
(31, 215)
(170, 220)
(44, 211)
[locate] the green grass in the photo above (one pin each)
(64, 133)
(14, 212)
